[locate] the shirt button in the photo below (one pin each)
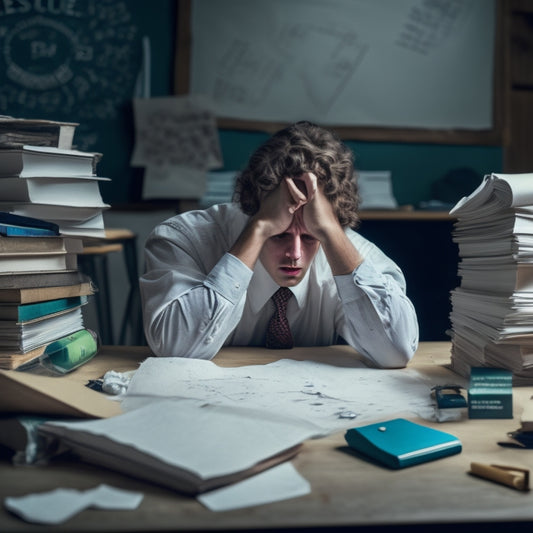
(209, 340)
(237, 285)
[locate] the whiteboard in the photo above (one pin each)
(373, 63)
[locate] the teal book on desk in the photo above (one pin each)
(399, 443)
(37, 310)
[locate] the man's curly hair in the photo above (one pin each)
(299, 148)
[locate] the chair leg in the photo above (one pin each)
(95, 266)
(132, 312)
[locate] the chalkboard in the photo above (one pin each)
(374, 69)
(81, 61)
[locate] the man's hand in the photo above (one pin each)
(316, 211)
(320, 220)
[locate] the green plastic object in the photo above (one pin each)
(68, 353)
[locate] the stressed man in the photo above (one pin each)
(280, 266)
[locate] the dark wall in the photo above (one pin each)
(428, 257)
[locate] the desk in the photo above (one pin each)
(346, 491)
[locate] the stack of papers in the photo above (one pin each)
(375, 189)
(178, 444)
(492, 309)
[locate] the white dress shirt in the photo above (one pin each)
(197, 297)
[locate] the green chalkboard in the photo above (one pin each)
(84, 61)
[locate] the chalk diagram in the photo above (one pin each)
(75, 62)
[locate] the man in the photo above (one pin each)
(210, 274)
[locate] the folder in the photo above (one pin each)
(400, 443)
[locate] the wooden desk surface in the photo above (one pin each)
(346, 491)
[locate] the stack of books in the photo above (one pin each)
(49, 201)
(50, 182)
(492, 309)
(41, 290)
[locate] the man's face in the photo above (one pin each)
(288, 255)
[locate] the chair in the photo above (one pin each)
(94, 262)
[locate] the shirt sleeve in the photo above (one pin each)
(377, 318)
(189, 309)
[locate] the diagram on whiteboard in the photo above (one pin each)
(395, 63)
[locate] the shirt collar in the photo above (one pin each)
(262, 287)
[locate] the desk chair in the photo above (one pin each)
(93, 261)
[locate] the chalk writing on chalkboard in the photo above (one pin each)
(75, 60)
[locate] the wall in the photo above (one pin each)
(81, 61)
(414, 166)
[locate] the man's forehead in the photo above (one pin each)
(297, 225)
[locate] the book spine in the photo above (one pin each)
(19, 231)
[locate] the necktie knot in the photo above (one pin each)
(278, 332)
(281, 297)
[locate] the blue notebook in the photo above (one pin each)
(399, 443)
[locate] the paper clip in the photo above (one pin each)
(514, 477)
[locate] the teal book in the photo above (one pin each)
(399, 443)
(25, 231)
(18, 225)
(34, 311)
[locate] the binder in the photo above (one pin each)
(400, 443)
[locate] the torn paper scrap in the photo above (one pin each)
(278, 483)
(59, 505)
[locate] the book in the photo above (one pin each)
(400, 443)
(81, 191)
(12, 230)
(10, 219)
(11, 359)
(26, 336)
(31, 280)
(21, 295)
(184, 445)
(38, 262)
(45, 161)
(75, 221)
(17, 132)
(46, 244)
(48, 212)
(31, 311)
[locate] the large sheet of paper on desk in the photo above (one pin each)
(330, 397)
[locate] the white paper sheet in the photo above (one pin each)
(278, 483)
(176, 141)
(332, 398)
(59, 505)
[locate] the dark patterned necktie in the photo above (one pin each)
(279, 335)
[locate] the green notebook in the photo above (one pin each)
(399, 443)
